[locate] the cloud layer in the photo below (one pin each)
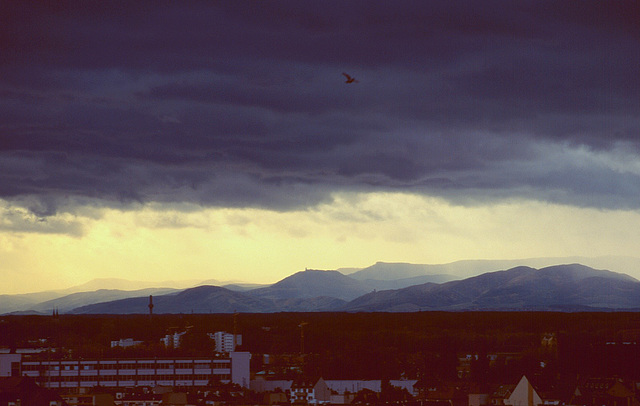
(244, 104)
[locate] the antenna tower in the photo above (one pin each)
(150, 305)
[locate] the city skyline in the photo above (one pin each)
(159, 141)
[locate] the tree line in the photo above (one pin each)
(421, 345)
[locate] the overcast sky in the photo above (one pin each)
(156, 140)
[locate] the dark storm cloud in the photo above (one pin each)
(244, 104)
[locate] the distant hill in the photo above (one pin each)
(74, 300)
(397, 287)
(15, 303)
(561, 287)
(25, 301)
(375, 284)
(468, 268)
(348, 271)
(314, 283)
(124, 284)
(202, 299)
(520, 288)
(211, 299)
(309, 290)
(385, 271)
(243, 287)
(97, 291)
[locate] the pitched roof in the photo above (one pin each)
(604, 387)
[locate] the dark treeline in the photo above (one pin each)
(366, 345)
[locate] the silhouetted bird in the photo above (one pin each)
(349, 78)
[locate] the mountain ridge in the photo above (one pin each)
(517, 288)
(330, 290)
(312, 283)
(570, 286)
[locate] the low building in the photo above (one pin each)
(89, 399)
(310, 392)
(172, 340)
(125, 343)
(502, 392)
(604, 392)
(114, 373)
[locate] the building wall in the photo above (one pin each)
(225, 341)
(240, 372)
(321, 391)
(6, 362)
(478, 399)
(303, 395)
(132, 372)
(172, 340)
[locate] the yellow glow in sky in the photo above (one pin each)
(159, 243)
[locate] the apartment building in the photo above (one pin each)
(226, 342)
(172, 340)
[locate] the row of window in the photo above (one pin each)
(160, 363)
(147, 378)
(95, 367)
(127, 372)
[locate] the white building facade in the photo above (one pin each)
(226, 342)
(87, 373)
(172, 340)
(125, 343)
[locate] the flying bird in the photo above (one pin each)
(349, 78)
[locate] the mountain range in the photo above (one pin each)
(383, 286)
(567, 287)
